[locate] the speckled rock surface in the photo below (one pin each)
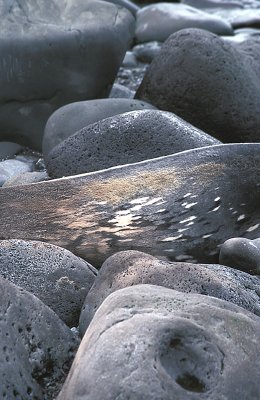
(124, 139)
(82, 44)
(71, 118)
(241, 253)
(57, 277)
(171, 344)
(36, 346)
(130, 268)
(216, 76)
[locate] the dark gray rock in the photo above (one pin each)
(128, 268)
(119, 92)
(149, 342)
(197, 71)
(8, 149)
(127, 4)
(57, 277)
(158, 21)
(54, 53)
(36, 346)
(146, 52)
(26, 178)
(242, 253)
(124, 139)
(186, 203)
(71, 118)
(130, 60)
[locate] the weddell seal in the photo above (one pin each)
(182, 204)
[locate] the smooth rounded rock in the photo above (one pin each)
(124, 139)
(131, 6)
(157, 22)
(197, 71)
(57, 277)
(205, 4)
(185, 203)
(8, 149)
(242, 253)
(12, 168)
(129, 268)
(27, 178)
(36, 346)
(54, 53)
(119, 91)
(146, 52)
(151, 342)
(69, 119)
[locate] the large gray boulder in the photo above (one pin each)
(55, 52)
(149, 342)
(57, 277)
(128, 268)
(124, 139)
(36, 346)
(209, 82)
(69, 119)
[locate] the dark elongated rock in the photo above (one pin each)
(242, 253)
(124, 139)
(36, 346)
(71, 118)
(186, 203)
(128, 268)
(57, 277)
(209, 82)
(54, 53)
(149, 342)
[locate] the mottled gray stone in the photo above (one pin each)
(128, 268)
(55, 52)
(149, 342)
(36, 347)
(124, 139)
(158, 21)
(119, 92)
(197, 71)
(26, 178)
(186, 203)
(57, 277)
(73, 117)
(242, 253)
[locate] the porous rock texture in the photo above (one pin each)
(124, 139)
(171, 344)
(57, 277)
(55, 52)
(36, 346)
(128, 268)
(209, 82)
(71, 118)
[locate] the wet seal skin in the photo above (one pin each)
(183, 204)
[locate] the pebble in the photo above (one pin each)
(9, 149)
(124, 139)
(37, 348)
(119, 91)
(129, 268)
(149, 340)
(12, 168)
(216, 75)
(145, 52)
(71, 118)
(157, 22)
(57, 277)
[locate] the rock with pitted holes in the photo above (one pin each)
(124, 139)
(157, 22)
(128, 268)
(54, 53)
(212, 83)
(71, 118)
(241, 253)
(149, 342)
(57, 277)
(36, 347)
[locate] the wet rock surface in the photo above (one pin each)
(171, 344)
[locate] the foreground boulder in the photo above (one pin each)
(124, 139)
(152, 342)
(36, 346)
(128, 268)
(57, 277)
(197, 71)
(186, 203)
(54, 53)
